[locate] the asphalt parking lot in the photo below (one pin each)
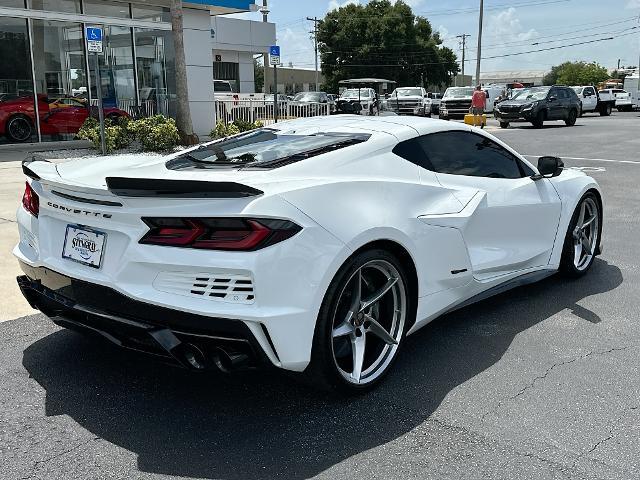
(542, 382)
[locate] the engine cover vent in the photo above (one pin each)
(222, 287)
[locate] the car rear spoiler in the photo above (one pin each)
(28, 161)
(156, 187)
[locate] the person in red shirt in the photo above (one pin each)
(478, 102)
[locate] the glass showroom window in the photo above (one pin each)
(60, 78)
(13, 3)
(17, 110)
(151, 13)
(107, 8)
(66, 6)
(155, 61)
(116, 70)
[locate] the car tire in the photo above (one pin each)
(340, 336)
(606, 111)
(19, 128)
(575, 262)
(538, 121)
(504, 124)
(571, 119)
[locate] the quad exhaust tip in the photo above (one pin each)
(227, 362)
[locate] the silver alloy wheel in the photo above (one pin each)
(585, 234)
(19, 129)
(368, 322)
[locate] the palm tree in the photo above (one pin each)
(183, 114)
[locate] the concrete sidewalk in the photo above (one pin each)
(16, 152)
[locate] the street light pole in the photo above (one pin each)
(479, 43)
(315, 41)
(464, 49)
(265, 59)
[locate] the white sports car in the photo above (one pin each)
(314, 245)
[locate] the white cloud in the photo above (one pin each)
(335, 4)
(633, 4)
(414, 3)
(505, 27)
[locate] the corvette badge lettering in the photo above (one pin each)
(79, 212)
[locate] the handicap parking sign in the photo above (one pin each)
(94, 33)
(274, 50)
(94, 39)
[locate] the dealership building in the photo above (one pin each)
(43, 56)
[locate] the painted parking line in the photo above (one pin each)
(635, 162)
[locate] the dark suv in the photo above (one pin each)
(539, 104)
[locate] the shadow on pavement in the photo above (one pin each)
(264, 425)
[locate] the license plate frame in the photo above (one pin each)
(83, 252)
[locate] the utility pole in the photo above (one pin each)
(265, 59)
(315, 41)
(479, 56)
(464, 37)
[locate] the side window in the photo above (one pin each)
(412, 151)
(462, 153)
(562, 94)
(465, 153)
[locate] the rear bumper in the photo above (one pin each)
(137, 325)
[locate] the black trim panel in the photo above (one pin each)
(129, 323)
(156, 187)
(92, 201)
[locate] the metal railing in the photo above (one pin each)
(263, 111)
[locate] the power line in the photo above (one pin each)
(493, 56)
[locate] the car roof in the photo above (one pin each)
(402, 127)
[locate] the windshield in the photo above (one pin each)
(458, 92)
(353, 93)
(578, 90)
(407, 92)
(263, 148)
(307, 97)
(539, 93)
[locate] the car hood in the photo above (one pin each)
(517, 102)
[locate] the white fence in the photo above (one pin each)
(147, 108)
(254, 110)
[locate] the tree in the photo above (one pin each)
(183, 114)
(576, 73)
(382, 40)
(258, 75)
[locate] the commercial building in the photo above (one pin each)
(235, 45)
(43, 55)
(293, 80)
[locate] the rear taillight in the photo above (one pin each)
(31, 201)
(238, 234)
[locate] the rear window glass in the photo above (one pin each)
(263, 148)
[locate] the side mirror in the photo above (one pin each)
(548, 167)
(553, 98)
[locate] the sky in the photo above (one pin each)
(510, 26)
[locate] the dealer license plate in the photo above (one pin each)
(84, 245)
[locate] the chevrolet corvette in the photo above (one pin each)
(315, 245)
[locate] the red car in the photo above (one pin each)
(18, 119)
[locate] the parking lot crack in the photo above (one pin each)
(6, 220)
(39, 463)
(546, 373)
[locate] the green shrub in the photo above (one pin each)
(116, 135)
(223, 129)
(155, 134)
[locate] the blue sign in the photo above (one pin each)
(94, 34)
(274, 50)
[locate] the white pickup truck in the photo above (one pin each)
(409, 101)
(593, 101)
